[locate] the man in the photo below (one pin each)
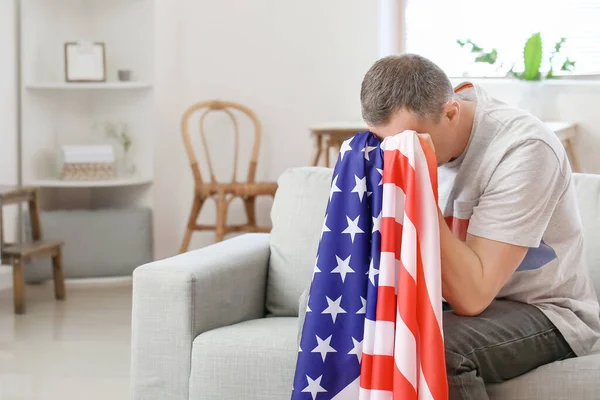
(513, 270)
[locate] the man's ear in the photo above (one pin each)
(452, 111)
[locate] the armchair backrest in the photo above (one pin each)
(297, 217)
(588, 197)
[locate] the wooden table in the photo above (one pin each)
(330, 136)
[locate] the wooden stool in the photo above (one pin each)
(224, 192)
(18, 254)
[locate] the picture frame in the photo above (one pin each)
(85, 62)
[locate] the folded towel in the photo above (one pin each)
(88, 154)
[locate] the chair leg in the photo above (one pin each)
(196, 207)
(59, 278)
(18, 287)
(250, 204)
(221, 217)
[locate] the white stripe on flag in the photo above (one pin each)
(366, 394)
(401, 142)
(405, 352)
(384, 338)
(430, 246)
(369, 337)
(392, 205)
(388, 269)
(408, 255)
(378, 338)
(424, 392)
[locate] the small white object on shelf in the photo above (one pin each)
(133, 85)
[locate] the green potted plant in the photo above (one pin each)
(532, 58)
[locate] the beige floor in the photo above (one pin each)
(76, 349)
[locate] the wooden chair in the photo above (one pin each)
(18, 254)
(223, 193)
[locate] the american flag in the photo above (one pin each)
(373, 326)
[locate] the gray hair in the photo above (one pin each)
(407, 81)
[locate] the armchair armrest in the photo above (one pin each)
(176, 299)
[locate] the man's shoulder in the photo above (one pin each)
(511, 128)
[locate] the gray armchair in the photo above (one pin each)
(222, 322)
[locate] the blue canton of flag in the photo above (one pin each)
(345, 274)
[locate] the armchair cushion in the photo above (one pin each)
(177, 299)
(297, 216)
(253, 360)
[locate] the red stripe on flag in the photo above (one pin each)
(407, 309)
(403, 386)
(376, 372)
(391, 236)
(433, 355)
(431, 167)
(386, 304)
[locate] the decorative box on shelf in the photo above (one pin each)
(93, 162)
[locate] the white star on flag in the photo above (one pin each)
(324, 347)
(357, 349)
(314, 387)
(325, 228)
(380, 173)
(299, 349)
(363, 309)
(361, 187)
(353, 228)
(316, 269)
(334, 308)
(377, 223)
(334, 188)
(372, 272)
(308, 304)
(343, 267)
(367, 150)
(345, 147)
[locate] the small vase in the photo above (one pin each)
(126, 165)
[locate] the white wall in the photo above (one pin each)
(8, 118)
(295, 63)
(8, 93)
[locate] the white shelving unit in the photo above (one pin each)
(89, 86)
(56, 112)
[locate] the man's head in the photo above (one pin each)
(409, 92)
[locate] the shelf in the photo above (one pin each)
(89, 86)
(117, 182)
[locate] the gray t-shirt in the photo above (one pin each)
(513, 184)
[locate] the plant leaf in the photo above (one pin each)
(559, 44)
(568, 65)
(475, 48)
(489, 58)
(532, 56)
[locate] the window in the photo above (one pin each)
(433, 26)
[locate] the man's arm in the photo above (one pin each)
(511, 216)
(473, 272)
